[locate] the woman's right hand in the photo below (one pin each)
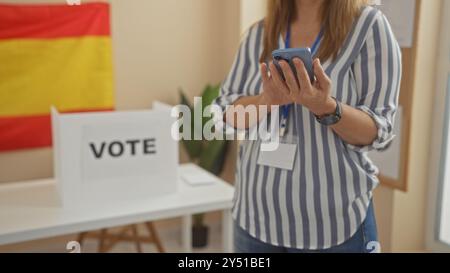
(275, 92)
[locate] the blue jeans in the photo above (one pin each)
(365, 240)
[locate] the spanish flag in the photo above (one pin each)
(51, 55)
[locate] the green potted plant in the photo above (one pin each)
(210, 155)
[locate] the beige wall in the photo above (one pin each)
(159, 46)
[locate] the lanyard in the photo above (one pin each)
(314, 46)
(287, 108)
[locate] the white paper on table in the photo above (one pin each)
(401, 16)
(388, 161)
(198, 179)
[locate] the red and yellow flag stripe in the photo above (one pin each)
(51, 55)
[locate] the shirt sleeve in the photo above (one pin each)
(377, 72)
(233, 86)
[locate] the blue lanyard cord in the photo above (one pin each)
(314, 47)
(288, 37)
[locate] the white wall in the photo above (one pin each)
(251, 12)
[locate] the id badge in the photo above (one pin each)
(283, 157)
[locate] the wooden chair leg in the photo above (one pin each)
(80, 237)
(115, 238)
(101, 241)
(134, 230)
(106, 241)
(155, 237)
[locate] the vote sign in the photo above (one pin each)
(106, 158)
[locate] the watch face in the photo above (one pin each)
(329, 120)
(333, 118)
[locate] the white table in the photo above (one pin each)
(29, 210)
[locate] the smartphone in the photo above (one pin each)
(289, 55)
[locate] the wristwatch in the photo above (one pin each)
(331, 119)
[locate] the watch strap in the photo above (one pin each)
(331, 119)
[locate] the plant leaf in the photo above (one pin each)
(193, 147)
(209, 95)
(213, 156)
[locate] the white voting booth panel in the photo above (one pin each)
(111, 157)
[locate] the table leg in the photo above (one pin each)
(227, 231)
(186, 233)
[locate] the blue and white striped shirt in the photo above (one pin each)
(322, 202)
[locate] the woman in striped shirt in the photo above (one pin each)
(324, 202)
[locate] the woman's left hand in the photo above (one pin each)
(314, 96)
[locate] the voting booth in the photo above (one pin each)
(114, 157)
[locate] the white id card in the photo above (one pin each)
(283, 157)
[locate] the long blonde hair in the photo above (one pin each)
(337, 18)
